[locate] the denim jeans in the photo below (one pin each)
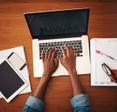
(79, 103)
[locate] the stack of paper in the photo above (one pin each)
(24, 72)
(103, 50)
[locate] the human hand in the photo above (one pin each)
(68, 60)
(50, 62)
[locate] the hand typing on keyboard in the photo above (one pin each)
(68, 60)
(77, 44)
(50, 62)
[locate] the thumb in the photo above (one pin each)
(61, 59)
(56, 61)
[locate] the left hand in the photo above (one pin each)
(50, 62)
(68, 60)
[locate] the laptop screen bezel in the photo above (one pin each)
(58, 11)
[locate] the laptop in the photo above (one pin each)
(54, 29)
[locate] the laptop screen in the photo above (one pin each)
(58, 24)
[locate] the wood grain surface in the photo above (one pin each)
(14, 32)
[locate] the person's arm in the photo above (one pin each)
(80, 101)
(50, 65)
(35, 103)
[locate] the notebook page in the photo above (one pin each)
(107, 48)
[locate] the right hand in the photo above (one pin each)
(68, 60)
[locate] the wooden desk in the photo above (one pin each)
(14, 32)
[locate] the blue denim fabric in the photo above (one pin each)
(80, 103)
(33, 105)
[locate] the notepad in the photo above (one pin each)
(103, 50)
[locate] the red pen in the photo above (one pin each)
(102, 53)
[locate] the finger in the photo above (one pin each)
(64, 52)
(56, 62)
(74, 51)
(50, 53)
(60, 58)
(71, 49)
(53, 54)
(67, 50)
(43, 56)
(46, 56)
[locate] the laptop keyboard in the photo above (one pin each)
(77, 44)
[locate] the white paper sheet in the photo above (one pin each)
(109, 47)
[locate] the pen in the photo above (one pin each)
(102, 53)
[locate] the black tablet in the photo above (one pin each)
(11, 82)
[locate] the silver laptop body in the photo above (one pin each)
(56, 29)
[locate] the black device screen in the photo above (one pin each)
(58, 24)
(10, 82)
